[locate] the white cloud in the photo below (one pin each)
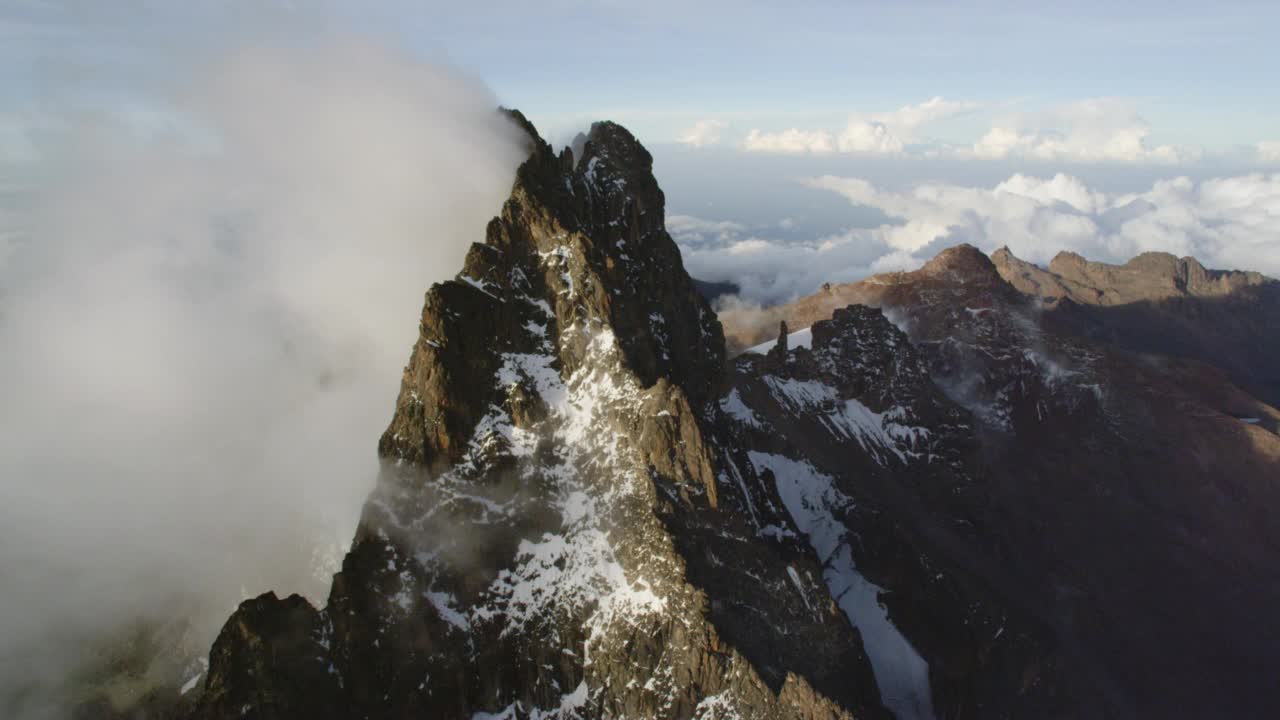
(693, 231)
(1226, 223)
(703, 133)
(1090, 131)
(202, 341)
(792, 140)
(1269, 151)
(875, 133)
(910, 117)
(1100, 130)
(862, 136)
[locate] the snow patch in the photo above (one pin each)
(733, 405)
(716, 707)
(800, 338)
(812, 499)
(443, 603)
(874, 431)
(575, 568)
(479, 285)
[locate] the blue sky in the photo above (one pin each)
(746, 104)
(1200, 74)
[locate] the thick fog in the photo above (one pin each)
(206, 302)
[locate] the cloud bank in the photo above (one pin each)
(703, 133)
(1269, 152)
(1090, 131)
(1099, 130)
(879, 133)
(1231, 223)
(204, 322)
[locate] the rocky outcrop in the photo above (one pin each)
(1159, 304)
(884, 470)
(553, 534)
(1150, 276)
(1108, 500)
(923, 499)
(713, 291)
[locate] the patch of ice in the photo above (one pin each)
(874, 431)
(812, 499)
(801, 395)
(776, 532)
(575, 569)
(733, 405)
(800, 338)
(716, 707)
(570, 704)
(561, 255)
(541, 305)
(742, 485)
(479, 285)
(443, 603)
(795, 578)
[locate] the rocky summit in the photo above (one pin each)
(922, 495)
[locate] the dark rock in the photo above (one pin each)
(1157, 303)
(713, 291)
(1111, 508)
(557, 529)
(946, 503)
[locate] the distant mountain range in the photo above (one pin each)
(981, 489)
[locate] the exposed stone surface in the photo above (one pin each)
(1118, 499)
(713, 291)
(923, 500)
(553, 535)
(1157, 303)
(1147, 277)
(858, 412)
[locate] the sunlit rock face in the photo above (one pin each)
(1158, 303)
(552, 536)
(919, 499)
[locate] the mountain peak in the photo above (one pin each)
(574, 249)
(920, 505)
(553, 513)
(964, 260)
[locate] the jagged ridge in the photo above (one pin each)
(550, 537)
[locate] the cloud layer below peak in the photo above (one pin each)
(1099, 130)
(1230, 222)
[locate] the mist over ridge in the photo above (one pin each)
(204, 315)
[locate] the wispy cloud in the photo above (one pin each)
(1269, 152)
(703, 133)
(1099, 130)
(878, 132)
(1090, 131)
(204, 327)
(790, 141)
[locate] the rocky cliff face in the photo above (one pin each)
(923, 502)
(1158, 303)
(553, 536)
(1117, 498)
(1147, 277)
